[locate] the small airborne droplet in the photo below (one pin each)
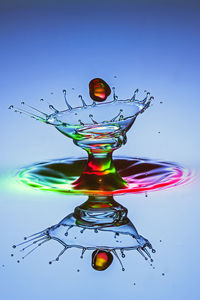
(101, 259)
(78, 270)
(163, 274)
(18, 261)
(10, 107)
(99, 89)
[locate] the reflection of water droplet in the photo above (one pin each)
(101, 260)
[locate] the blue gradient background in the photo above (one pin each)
(48, 46)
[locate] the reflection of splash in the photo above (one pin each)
(101, 225)
(142, 175)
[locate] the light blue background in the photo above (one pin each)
(52, 45)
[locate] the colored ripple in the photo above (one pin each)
(142, 175)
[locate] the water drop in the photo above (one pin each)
(163, 274)
(99, 90)
(66, 101)
(11, 107)
(101, 259)
(83, 102)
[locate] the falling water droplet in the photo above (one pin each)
(11, 107)
(99, 90)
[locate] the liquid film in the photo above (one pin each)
(141, 175)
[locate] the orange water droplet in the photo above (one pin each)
(101, 260)
(99, 89)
